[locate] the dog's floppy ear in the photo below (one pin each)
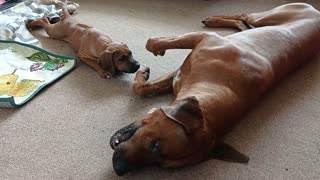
(185, 112)
(225, 152)
(105, 61)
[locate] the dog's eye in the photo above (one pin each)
(155, 147)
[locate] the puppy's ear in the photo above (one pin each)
(105, 61)
(125, 45)
(225, 152)
(186, 112)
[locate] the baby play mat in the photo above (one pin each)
(26, 69)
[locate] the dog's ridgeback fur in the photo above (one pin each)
(93, 47)
(217, 83)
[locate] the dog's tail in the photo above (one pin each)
(65, 11)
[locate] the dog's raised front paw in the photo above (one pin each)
(144, 72)
(153, 46)
(144, 69)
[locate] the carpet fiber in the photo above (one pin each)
(63, 133)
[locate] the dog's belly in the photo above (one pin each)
(76, 37)
(244, 73)
(225, 89)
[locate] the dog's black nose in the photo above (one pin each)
(120, 165)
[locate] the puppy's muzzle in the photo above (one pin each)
(134, 66)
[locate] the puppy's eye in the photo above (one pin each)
(123, 58)
(155, 147)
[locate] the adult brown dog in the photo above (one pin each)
(217, 83)
(93, 47)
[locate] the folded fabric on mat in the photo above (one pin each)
(5, 4)
(13, 20)
(26, 69)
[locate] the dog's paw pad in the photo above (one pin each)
(144, 69)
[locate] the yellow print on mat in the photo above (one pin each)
(10, 86)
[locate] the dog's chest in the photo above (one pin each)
(176, 80)
(181, 77)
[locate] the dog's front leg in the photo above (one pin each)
(143, 88)
(159, 45)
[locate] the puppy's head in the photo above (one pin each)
(170, 136)
(118, 58)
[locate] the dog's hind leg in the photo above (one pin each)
(277, 16)
(236, 22)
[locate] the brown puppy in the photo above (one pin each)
(217, 83)
(94, 48)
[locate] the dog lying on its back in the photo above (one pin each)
(216, 84)
(94, 48)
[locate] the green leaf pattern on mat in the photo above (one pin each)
(50, 64)
(39, 57)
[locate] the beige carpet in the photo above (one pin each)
(63, 133)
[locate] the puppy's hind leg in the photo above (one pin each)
(38, 23)
(65, 12)
(52, 30)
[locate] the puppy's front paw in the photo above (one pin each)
(105, 75)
